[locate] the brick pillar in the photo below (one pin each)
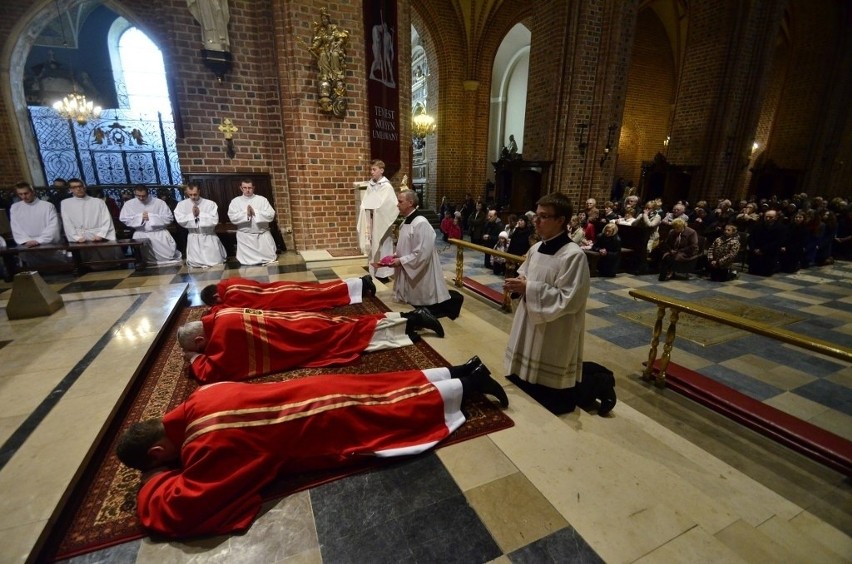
(578, 76)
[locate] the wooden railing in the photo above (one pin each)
(512, 262)
(678, 306)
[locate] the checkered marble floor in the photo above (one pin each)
(812, 387)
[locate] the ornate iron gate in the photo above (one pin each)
(120, 147)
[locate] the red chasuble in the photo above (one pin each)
(243, 343)
(235, 438)
(282, 296)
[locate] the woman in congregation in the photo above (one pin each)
(608, 246)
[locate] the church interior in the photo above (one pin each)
(505, 101)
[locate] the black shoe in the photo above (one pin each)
(384, 280)
(368, 289)
(482, 382)
(608, 400)
(422, 318)
(467, 368)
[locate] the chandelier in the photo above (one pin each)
(76, 107)
(422, 125)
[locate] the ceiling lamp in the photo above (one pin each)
(76, 107)
(422, 125)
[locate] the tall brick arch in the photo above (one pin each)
(462, 115)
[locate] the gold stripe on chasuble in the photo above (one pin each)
(252, 318)
(275, 414)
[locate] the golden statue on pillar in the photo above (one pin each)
(328, 47)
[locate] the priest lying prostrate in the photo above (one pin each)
(236, 344)
(288, 296)
(205, 462)
(149, 218)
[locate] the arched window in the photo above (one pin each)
(140, 75)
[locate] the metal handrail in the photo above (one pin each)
(511, 261)
(692, 308)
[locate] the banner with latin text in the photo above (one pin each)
(380, 40)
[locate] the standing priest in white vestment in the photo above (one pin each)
(375, 221)
(546, 341)
(87, 219)
(149, 217)
(35, 222)
(252, 214)
(200, 216)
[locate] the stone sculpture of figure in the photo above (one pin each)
(213, 15)
(513, 147)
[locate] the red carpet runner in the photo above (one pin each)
(102, 511)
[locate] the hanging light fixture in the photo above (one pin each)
(422, 125)
(74, 106)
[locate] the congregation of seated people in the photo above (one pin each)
(760, 236)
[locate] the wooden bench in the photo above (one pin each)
(78, 264)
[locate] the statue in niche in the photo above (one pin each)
(213, 15)
(513, 147)
(328, 47)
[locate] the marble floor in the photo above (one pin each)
(660, 480)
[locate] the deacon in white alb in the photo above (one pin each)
(35, 222)
(149, 217)
(87, 220)
(200, 216)
(252, 214)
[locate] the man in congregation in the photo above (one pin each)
(241, 343)
(149, 218)
(681, 245)
(375, 221)
(544, 355)
(34, 223)
(199, 216)
(490, 233)
(764, 245)
(419, 278)
(288, 296)
(252, 214)
(87, 220)
(206, 462)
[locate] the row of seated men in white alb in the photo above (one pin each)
(86, 219)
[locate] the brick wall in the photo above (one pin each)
(651, 87)
(588, 45)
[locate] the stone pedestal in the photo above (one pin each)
(32, 297)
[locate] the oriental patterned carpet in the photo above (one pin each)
(705, 332)
(102, 510)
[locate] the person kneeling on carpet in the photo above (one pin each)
(205, 462)
(233, 344)
(288, 296)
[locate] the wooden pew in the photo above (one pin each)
(77, 264)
